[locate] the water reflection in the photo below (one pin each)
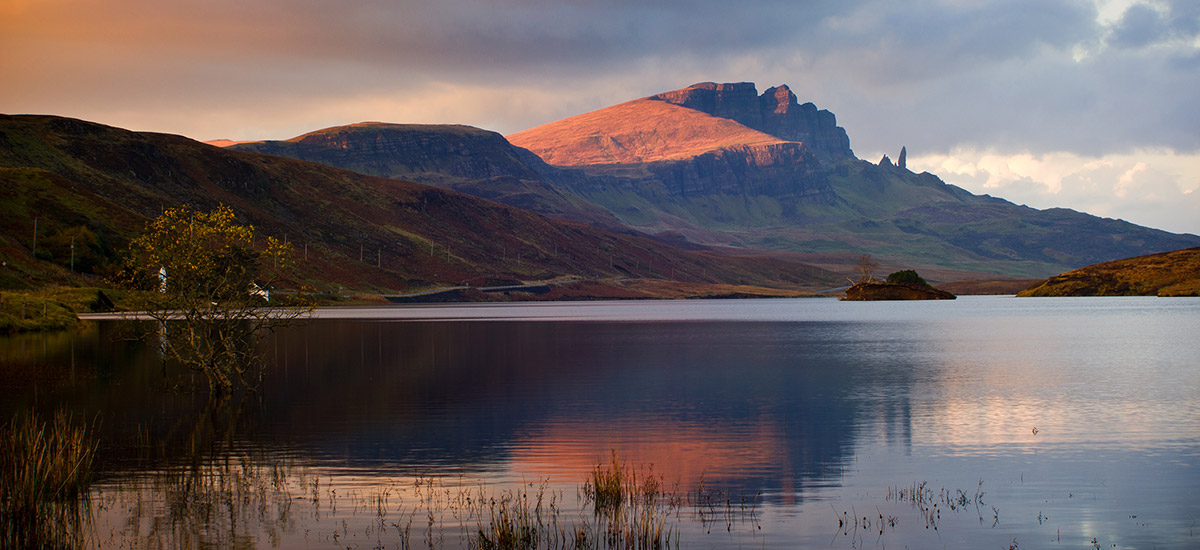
(791, 411)
(752, 403)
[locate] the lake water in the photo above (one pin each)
(984, 422)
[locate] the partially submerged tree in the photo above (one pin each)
(209, 287)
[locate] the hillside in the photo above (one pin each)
(643, 130)
(466, 159)
(722, 164)
(100, 185)
(1175, 273)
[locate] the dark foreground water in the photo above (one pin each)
(986, 422)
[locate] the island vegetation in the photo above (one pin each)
(905, 284)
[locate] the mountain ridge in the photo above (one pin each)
(463, 158)
(776, 112)
(826, 200)
(101, 184)
(668, 166)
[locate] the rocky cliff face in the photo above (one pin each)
(782, 169)
(775, 112)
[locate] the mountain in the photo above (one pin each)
(466, 159)
(722, 164)
(686, 123)
(95, 186)
(1175, 273)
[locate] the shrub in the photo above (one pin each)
(906, 276)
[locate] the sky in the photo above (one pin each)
(1085, 104)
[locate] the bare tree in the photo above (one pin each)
(866, 268)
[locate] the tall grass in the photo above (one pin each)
(45, 472)
(631, 509)
(245, 497)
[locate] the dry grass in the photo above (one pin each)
(1167, 274)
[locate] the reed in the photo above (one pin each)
(45, 472)
(606, 485)
(513, 525)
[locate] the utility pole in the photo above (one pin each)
(72, 254)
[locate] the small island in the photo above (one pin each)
(901, 285)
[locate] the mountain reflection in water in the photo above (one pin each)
(768, 406)
(808, 408)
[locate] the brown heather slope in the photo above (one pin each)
(1174, 273)
(642, 130)
(103, 183)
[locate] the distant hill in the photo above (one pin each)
(1175, 273)
(722, 164)
(97, 186)
(466, 159)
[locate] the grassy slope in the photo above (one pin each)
(1174, 273)
(70, 173)
(637, 131)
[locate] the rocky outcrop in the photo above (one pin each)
(775, 112)
(902, 161)
(895, 291)
(780, 170)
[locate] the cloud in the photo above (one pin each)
(1155, 188)
(1141, 25)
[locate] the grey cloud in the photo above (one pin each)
(1140, 25)
(1184, 16)
(930, 74)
